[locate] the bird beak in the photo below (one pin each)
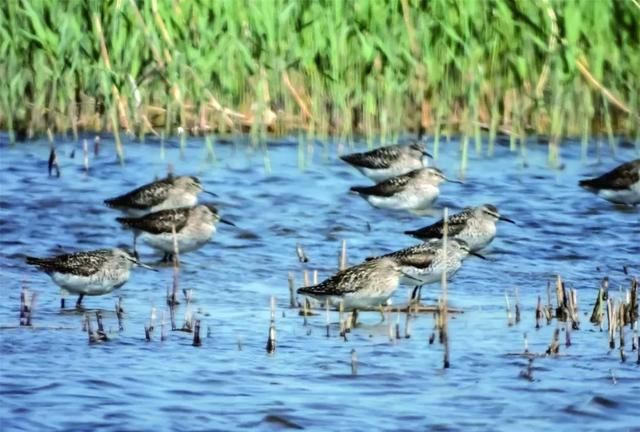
(506, 219)
(427, 154)
(453, 181)
(478, 255)
(409, 276)
(228, 222)
(210, 193)
(140, 264)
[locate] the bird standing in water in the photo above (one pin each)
(390, 161)
(169, 192)
(194, 227)
(475, 225)
(619, 186)
(414, 191)
(89, 273)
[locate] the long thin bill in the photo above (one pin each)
(478, 255)
(453, 181)
(210, 193)
(228, 222)
(507, 220)
(146, 266)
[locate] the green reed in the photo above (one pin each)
(373, 67)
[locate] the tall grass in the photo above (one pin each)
(377, 67)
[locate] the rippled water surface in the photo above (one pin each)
(52, 379)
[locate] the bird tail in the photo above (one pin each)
(127, 221)
(35, 261)
(414, 233)
(587, 184)
(303, 290)
(360, 190)
(111, 202)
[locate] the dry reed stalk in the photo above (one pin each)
(292, 291)
(390, 329)
(554, 347)
(549, 309)
(538, 312)
(517, 305)
(85, 156)
(196, 334)
(354, 362)
(444, 310)
(581, 63)
(305, 311)
(341, 319)
(163, 331)
(305, 278)
(326, 319)
(302, 256)
(315, 277)
(508, 309)
(611, 322)
(342, 263)
(27, 303)
(96, 146)
(561, 310)
(53, 162)
(187, 326)
(633, 302)
(296, 96)
(574, 309)
(271, 339)
(597, 315)
(120, 313)
(173, 300)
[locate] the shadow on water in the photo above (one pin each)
(55, 380)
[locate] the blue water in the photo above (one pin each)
(52, 379)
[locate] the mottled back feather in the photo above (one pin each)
(375, 159)
(159, 222)
(345, 281)
(387, 187)
(145, 196)
(621, 177)
(79, 263)
(456, 224)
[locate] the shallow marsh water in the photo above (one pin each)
(51, 379)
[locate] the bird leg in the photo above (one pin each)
(381, 309)
(354, 318)
(79, 301)
(135, 251)
(416, 294)
(167, 257)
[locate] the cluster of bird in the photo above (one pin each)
(165, 214)
(405, 183)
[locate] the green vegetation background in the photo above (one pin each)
(557, 67)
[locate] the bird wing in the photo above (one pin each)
(385, 188)
(159, 222)
(343, 282)
(79, 263)
(455, 224)
(419, 256)
(374, 159)
(620, 177)
(144, 197)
